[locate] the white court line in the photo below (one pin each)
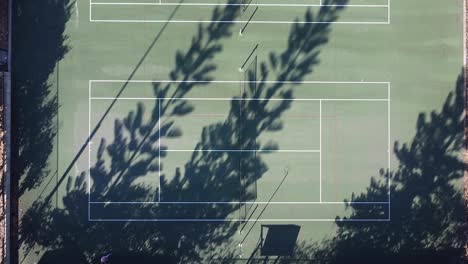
(159, 150)
(240, 99)
(320, 146)
(238, 21)
(268, 82)
(244, 150)
(389, 15)
(389, 12)
(345, 203)
(244, 220)
(90, 10)
(389, 149)
(77, 14)
(89, 150)
(226, 4)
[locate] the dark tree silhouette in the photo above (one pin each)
(39, 43)
(34, 99)
(426, 200)
(135, 152)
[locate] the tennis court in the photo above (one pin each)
(323, 123)
(226, 122)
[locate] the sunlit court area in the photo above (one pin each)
(234, 131)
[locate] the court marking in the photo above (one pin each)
(245, 150)
(89, 149)
(388, 100)
(160, 3)
(239, 99)
(237, 21)
(241, 220)
(320, 147)
(227, 81)
(388, 149)
(226, 4)
(159, 151)
(347, 203)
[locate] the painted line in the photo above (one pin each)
(243, 150)
(237, 220)
(77, 14)
(238, 21)
(320, 146)
(241, 99)
(89, 150)
(268, 82)
(90, 10)
(389, 15)
(389, 118)
(339, 203)
(226, 4)
(159, 150)
(285, 116)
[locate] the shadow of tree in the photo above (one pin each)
(138, 150)
(35, 102)
(426, 200)
(39, 43)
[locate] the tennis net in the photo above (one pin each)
(248, 164)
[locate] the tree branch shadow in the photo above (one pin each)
(40, 43)
(426, 200)
(138, 148)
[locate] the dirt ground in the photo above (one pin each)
(3, 45)
(2, 195)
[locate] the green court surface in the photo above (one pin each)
(186, 127)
